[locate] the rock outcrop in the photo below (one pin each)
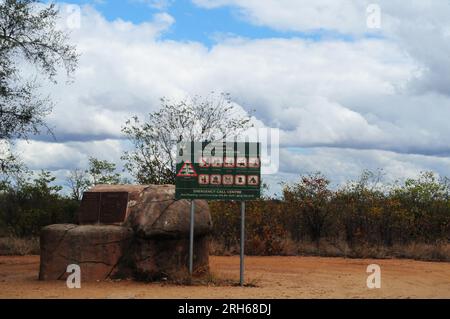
(98, 250)
(127, 231)
(155, 258)
(156, 214)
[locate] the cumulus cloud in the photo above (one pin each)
(342, 165)
(293, 84)
(65, 156)
(366, 103)
(421, 28)
(299, 15)
(345, 163)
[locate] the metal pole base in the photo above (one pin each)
(242, 243)
(191, 239)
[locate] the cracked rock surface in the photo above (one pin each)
(156, 214)
(98, 250)
(154, 258)
(152, 242)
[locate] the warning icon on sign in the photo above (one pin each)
(187, 170)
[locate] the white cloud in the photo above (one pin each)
(155, 4)
(299, 15)
(321, 122)
(342, 164)
(290, 82)
(346, 16)
(59, 156)
(372, 101)
(420, 28)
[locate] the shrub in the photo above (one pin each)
(30, 205)
(19, 246)
(360, 219)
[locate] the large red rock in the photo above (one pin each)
(153, 259)
(138, 230)
(156, 214)
(98, 250)
(151, 210)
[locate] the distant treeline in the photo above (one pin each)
(30, 204)
(309, 218)
(360, 219)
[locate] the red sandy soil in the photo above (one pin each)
(274, 277)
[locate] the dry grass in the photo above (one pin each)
(204, 279)
(13, 246)
(217, 248)
(418, 251)
(440, 252)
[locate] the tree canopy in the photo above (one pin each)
(29, 36)
(153, 159)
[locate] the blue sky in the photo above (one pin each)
(204, 25)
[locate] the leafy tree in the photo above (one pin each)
(359, 209)
(99, 172)
(78, 182)
(34, 202)
(102, 172)
(423, 190)
(310, 200)
(10, 165)
(153, 160)
(43, 183)
(28, 34)
(426, 199)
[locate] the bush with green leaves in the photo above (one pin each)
(363, 213)
(32, 203)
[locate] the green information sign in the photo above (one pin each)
(220, 171)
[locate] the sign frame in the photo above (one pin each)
(210, 164)
(201, 175)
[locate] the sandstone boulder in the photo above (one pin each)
(152, 259)
(156, 214)
(151, 210)
(127, 230)
(98, 250)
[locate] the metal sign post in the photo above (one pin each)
(191, 239)
(218, 171)
(242, 242)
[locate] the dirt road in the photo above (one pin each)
(275, 277)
